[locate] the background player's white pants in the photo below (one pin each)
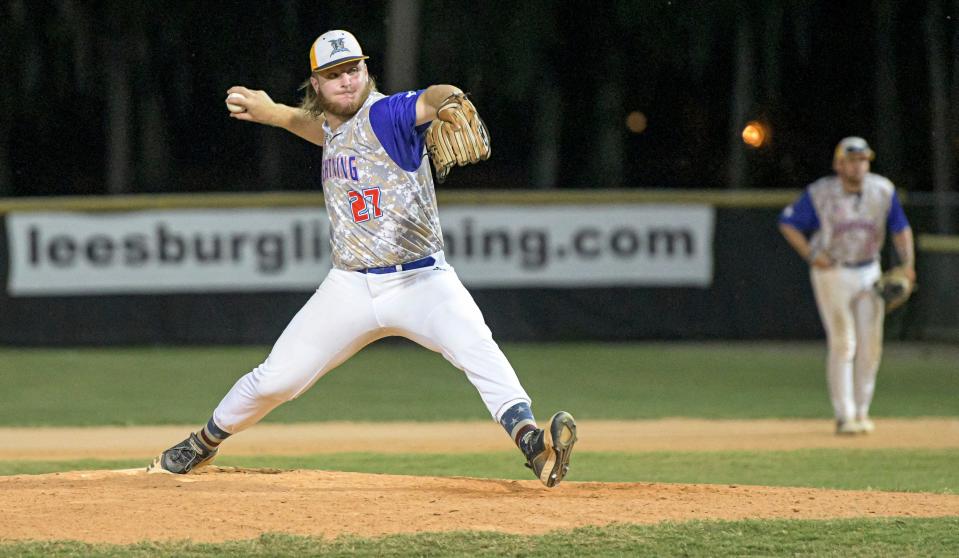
(350, 310)
(852, 315)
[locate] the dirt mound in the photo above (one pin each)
(218, 504)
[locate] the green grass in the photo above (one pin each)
(859, 537)
(892, 470)
(401, 381)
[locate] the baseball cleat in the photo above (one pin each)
(183, 457)
(550, 449)
(866, 426)
(848, 427)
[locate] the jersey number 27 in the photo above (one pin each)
(365, 206)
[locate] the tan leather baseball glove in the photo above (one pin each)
(457, 137)
(894, 287)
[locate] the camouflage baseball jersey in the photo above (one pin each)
(850, 228)
(378, 187)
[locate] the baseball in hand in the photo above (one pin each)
(234, 107)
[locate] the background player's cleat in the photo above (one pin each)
(848, 427)
(866, 426)
(183, 457)
(548, 451)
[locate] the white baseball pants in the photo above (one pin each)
(351, 310)
(852, 315)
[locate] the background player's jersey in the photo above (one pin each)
(850, 228)
(378, 187)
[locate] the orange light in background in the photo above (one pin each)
(755, 134)
(636, 122)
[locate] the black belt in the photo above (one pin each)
(863, 263)
(416, 264)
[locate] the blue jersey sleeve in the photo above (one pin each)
(393, 120)
(897, 221)
(801, 214)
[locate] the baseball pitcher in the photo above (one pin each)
(838, 225)
(389, 273)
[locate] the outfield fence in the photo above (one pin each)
(576, 265)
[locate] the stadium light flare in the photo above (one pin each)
(636, 122)
(755, 134)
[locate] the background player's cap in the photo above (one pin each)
(334, 48)
(853, 145)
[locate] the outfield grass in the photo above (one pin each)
(401, 381)
(891, 470)
(855, 537)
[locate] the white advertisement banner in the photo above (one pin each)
(581, 246)
(168, 251)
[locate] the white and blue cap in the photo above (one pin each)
(334, 48)
(853, 145)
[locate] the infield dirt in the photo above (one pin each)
(217, 504)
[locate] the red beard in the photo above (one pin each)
(349, 110)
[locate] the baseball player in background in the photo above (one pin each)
(838, 225)
(389, 275)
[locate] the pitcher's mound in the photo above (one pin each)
(225, 503)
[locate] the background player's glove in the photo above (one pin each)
(457, 136)
(895, 287)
